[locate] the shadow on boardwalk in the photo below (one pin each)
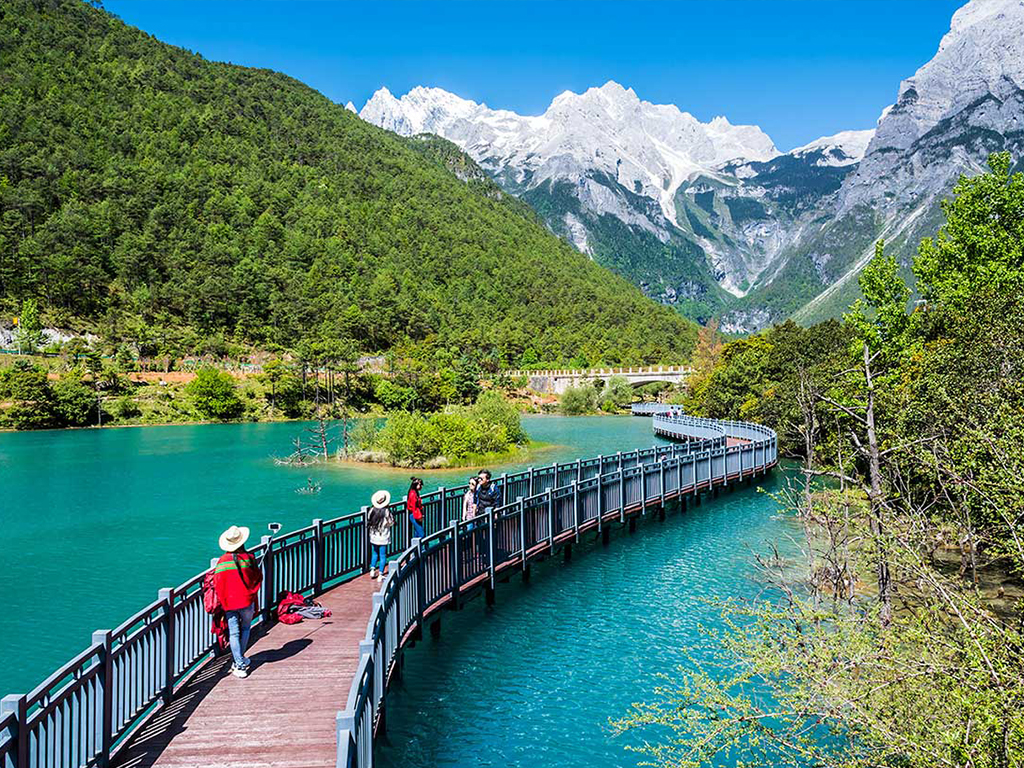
(282, 714)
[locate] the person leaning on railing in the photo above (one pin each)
(414, 505)
(236, 580)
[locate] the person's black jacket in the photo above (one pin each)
(488, 497)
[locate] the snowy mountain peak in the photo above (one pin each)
(982, 54)
(843, 148)
(605, 135)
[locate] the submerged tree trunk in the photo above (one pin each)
(876, 498)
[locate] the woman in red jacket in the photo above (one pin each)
(236, 580)
(414, 505)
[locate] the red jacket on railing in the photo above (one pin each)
(414, 504)
(236, 580)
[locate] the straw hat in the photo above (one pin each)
(234, 538)
(381, 499)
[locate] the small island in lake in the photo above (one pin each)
(489, 430)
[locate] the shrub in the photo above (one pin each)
(213, 393)
(126, 408)
(412, 439)
(492, 408)
(31, 399)
(617, 394)
(75, 401)
(576, 401)
(407, 439)
(365, 434)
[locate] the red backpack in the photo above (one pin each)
(210, 601)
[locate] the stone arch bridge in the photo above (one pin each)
(557, 381)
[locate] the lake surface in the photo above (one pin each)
(535, 680)
(94, 522)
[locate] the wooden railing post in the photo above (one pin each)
(661, 470)
(490, 544)
(455, 564)
(167, 596)
(421, 583)
(579, 470)
(522, 531)
(622, 494)
(319, 556)
(268, 579)
(551, 519)
(101, 638)
(17, 703)
(531, 491)
(344, 734)
(443, 492)
(576, 509)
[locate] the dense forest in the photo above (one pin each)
(167, 203)
(895, 635)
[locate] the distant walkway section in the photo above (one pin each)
(151, 692)
(557, 381)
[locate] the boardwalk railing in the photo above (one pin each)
(551, 508)
(84, 712)
(650, 370)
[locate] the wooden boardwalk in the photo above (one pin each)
(282, 715)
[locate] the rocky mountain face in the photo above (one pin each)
(957, 109)
(711, 217)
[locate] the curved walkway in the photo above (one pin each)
(283, 714)
(149, 693)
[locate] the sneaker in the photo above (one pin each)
(381, 577)
(374, 573)
(239, 671)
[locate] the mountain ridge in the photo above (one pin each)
(763, 234)
(173, 203)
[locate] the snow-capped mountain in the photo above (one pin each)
(649, 149)
(961, 106)
(607, 169)
(843, 148)
(711, 216)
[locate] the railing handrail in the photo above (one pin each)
(121, 698)
(645, 370)
(666, 418)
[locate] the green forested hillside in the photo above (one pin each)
(162, 199)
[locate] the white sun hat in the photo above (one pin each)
(234, 538)
(381, 499)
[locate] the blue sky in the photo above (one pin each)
(798, 68)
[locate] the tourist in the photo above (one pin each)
(236, 580)
(488, 495)
(379, 523)
(469, 500)
(414, 506)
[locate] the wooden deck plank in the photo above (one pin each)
(282, 715)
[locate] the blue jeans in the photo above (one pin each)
(378, 554)
(239, 624)
(417, 528)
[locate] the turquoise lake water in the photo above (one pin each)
(535, 680)
(96, 521)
